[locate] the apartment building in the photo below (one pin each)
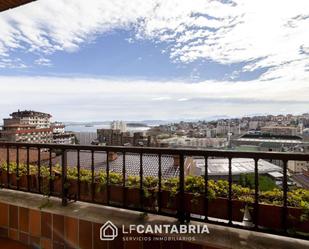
(27, 126)
(119, 125)
(34, 127)
(118, 138)
(60, 136)
(298, 166)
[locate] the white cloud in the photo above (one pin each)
(15, 63)
(265, 33)
(43, 62)
(79, 99)
(47, 26)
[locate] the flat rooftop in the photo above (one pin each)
(270, 140)
(220, 166)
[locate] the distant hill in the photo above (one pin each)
(137, 125)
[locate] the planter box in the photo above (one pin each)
(270, 216)
(150, 202)
(132, 197)
(85, 190)
(3, 177)
(169, 202)
(217, 208)
(23, 182)
(57, 186)
(116, 194)
(100, 193)
(45, 184)
(295, 221)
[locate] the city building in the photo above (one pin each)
(86, 138)
(195, 142)
(34, 127)
(119, 125)
(298, 166)
(302, 178)
(281, 130)
(27, 126)
(118, 138)
(60, 136)
(268, 142)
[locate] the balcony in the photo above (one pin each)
(157, 182)
(8, 4)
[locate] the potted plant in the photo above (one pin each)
(100, 188)
(133, 193)
(169, 194)
(85, 185)
(116, 191)
(150, 187)
(271, 210)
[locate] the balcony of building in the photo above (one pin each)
(59, 196)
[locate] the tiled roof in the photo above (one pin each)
(302, 180)
(132, 163)
(33, 155)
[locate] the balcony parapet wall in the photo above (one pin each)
(78, 226)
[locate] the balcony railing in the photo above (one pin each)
(156, 180)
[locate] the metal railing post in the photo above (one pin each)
(92, 176)
(64, 178)
(285, 196)
(28, 169)
(124, 179)
(256, 192)
(107, 178)
(141, 172)
(181, 211)
(78, 174)
(17, 167)
(230, 207)
(39, 170)
(8, 166)
(160, 185)
(206, 188)
(50, 172)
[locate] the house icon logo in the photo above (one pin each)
(108, 231)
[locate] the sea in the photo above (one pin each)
(83, 128)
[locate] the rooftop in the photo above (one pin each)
(270, 140)
(9, 4)
(239, 166)
(132, 162)
(29, 113)
(216, 166)
(268, 136)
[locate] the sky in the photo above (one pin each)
(100, 60)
